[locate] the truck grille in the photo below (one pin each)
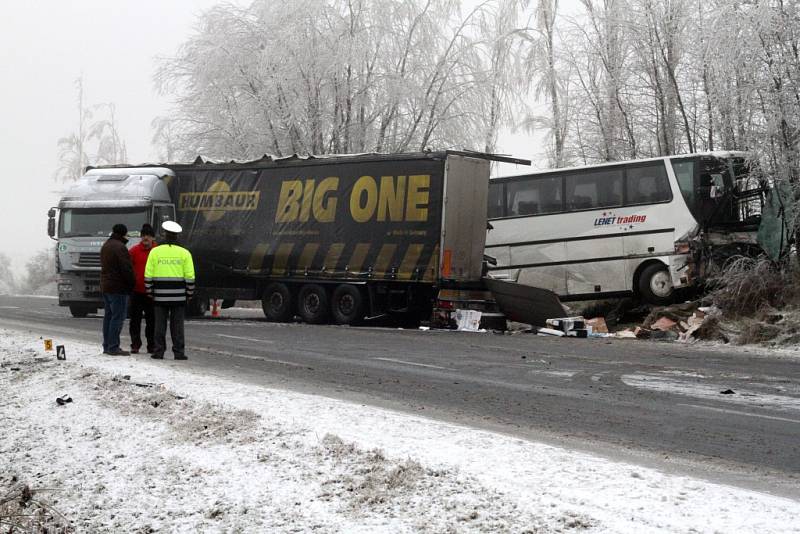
(89, 259)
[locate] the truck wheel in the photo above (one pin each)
(655, 284)
(277, 303)
(80, 311)
(197, 306)
(312, 304)
(347, 304)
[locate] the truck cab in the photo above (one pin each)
(83, 219)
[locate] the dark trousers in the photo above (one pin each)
(116, 307)
(142, 305)
(175, 315)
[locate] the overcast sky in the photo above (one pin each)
(45, 45)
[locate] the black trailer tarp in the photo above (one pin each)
(351, 220)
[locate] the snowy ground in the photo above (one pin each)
(153, 446)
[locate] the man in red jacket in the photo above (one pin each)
(141, 303)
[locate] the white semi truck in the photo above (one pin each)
(87, 211)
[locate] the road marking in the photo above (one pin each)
(250, 357)
(415, 364)
(9, 307)
(737, 412)
(246, 338)
(559, 374)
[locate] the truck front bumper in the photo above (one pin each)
(79, 288)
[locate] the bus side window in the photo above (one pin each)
(684, 172)
(534, 196)
(594, 189)
(647, 184)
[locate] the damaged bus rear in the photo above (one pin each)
(644, 227)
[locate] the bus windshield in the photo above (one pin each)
(718, 191)
(97, 222)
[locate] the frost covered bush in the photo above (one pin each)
(22, 510)
(7, 284)
(746, 286)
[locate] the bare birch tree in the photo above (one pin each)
(95, 142)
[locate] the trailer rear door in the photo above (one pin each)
(464, 218)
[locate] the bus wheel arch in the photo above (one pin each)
(652, 283)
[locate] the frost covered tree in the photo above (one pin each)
(95, 142)
(638, 78)
(343, 76)
(110, 148)
(7, 282)
(72, 156)
(40, 274)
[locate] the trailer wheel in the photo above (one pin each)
(655, 284)
(312, 304)
(80, 311)
(347, 304)
(277, 303)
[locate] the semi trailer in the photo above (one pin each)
(332, 238)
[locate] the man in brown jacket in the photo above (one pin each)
(116, 283)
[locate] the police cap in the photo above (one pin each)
(172, 227)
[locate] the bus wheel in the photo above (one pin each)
(312, 304)
(347, 304)
(277, 303)
(655, 284)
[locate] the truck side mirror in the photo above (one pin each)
(51, 222)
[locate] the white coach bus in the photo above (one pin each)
(616, 228)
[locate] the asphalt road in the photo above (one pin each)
(655, 404)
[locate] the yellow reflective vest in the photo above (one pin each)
(169, 275)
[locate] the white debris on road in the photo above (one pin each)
(155, 446)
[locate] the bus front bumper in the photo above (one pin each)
(681, 269)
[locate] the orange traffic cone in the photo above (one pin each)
(214, 309)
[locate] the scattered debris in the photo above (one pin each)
(468, 320)
(565, 326)
(625, 334)
(62, 400)
(550, 332)
(727, 392)
(665, 324)
(598, 325)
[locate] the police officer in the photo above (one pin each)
(169, 280)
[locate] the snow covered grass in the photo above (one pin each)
(154, 446)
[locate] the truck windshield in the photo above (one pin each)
(97, 222)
